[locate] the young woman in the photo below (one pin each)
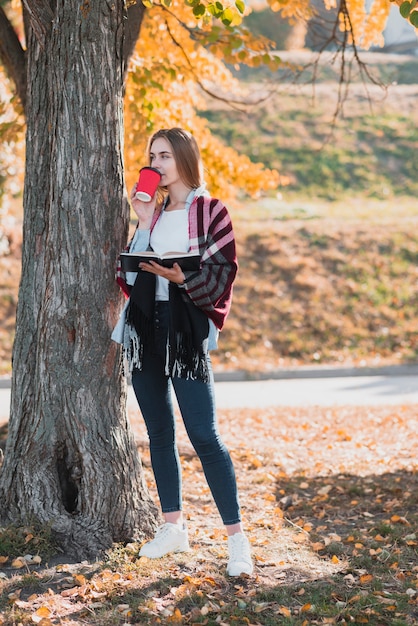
(170, 323)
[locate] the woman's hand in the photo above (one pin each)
(143, 210)
(173, 274)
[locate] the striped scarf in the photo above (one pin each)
(211, 234)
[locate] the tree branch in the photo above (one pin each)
(13, 56)
(238, 105)
(339, 42)
(135, 14)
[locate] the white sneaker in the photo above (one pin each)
(168, 538)
(240, 561)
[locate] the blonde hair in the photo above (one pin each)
(186, 154)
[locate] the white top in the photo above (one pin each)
(170, 234)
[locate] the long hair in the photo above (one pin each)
(186, 154)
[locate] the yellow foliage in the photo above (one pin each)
(367, 26)
(301, 9)
(375, 23)
(366, 21)
(168, 75)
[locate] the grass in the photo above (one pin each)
(369, 148)
(33, 540)
(368, 154)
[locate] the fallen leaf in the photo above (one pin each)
(177, 617)
(96, 605)
(354, 599)
(396, 519)
(69, 593)
(259, 607)
(15, 595)
(41, 614)
(366, 578)
(283, 610)
(324, 490)
(79, 579)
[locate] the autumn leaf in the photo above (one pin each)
(41, 614)
(396, 519)
(354, 599)
(283, 610)
(124, 609)
(366, 578)
(259, 607)
(80, 580)
(176, 618)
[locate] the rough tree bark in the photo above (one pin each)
(70, 459)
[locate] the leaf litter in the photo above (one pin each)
(329, 499)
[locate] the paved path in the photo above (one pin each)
(301, 387)
(330, 391)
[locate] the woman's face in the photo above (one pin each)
(162, 158)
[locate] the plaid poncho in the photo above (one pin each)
(211, 234)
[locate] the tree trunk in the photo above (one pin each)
(70, 458)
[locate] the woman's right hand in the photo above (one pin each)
(143, 210)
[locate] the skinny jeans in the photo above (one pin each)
(196, 400)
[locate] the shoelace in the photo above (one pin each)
(162, 530)
(239, 547)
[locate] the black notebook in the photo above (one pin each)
(188, 261)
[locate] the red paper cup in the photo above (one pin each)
(147, 185)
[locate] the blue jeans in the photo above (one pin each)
(196, 401)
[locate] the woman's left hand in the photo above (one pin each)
(173, 274)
